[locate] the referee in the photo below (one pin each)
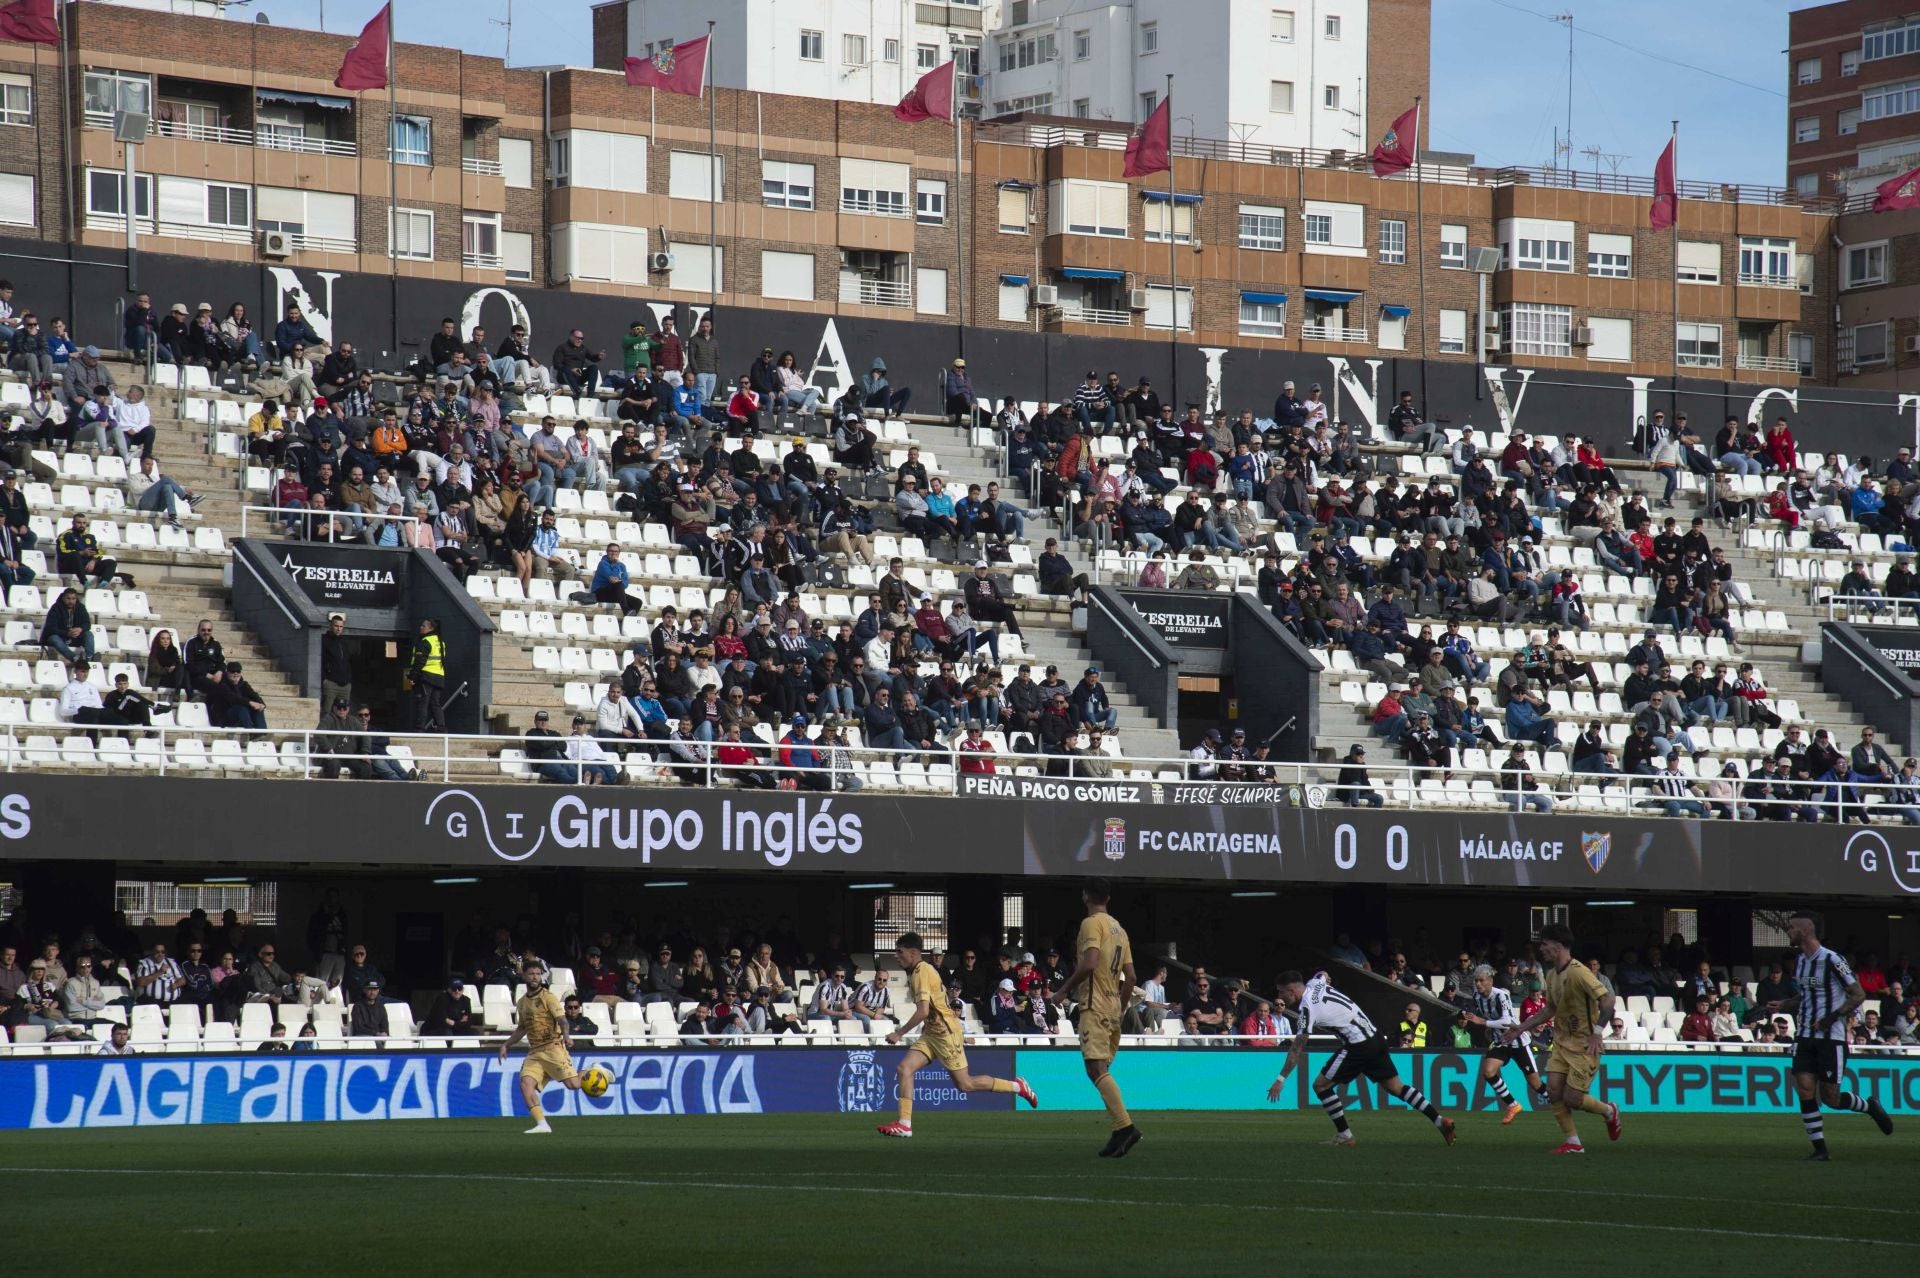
(1824, 1007)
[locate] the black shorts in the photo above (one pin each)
(1824, 1058)
(1519, 1054)
(1356, 1059)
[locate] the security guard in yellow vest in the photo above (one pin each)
(1413, 1029)
(428, 671)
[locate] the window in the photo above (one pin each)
(1166, 307)
(1018, 12)
(1847, 122)
(516, 254)
(1610, 256)
(930, 291)
(1800, 351)
(1148, 101)
(1155, 218)
(1864, 265)
(1393, 329)
(1280, 97)
(1082, 45)
(1033, 49)
(16, 99)
(1698, 345)
(599, 252)
(1849, 62)
(107, 194)
(1012, 302)
(1082, 108)
(870, 186)
(1889, 39)
(1041, 102)
(1263, 315)
(1338, 230)
(1535, 244)
(412, 234)
(1393, 241)
(930, 202)
(1149, 37)
(813, 46)
(1453, 248)
(1612, 339)
(1767, 262)
(1890, 99)
(1869, 344)
(1536, 328)
(411, 141)
(1016, 209)
(695, 175)
(1080, 207)
(853, 50)
(1263, 228)
(516, 162)
(1699, 262)
(1806, 71)
(110, 91)
(1453, 332)
(1332, 28)
(890, 51)
(318, 220)
(597, 160)
(1806, 185)
(926, 56)
(1806, 129)
(697, 268)
(786, 275)
(1280, 26)
(786, 185)
(480, 239)
(1330, 97)
(230, 206)
(16, 199)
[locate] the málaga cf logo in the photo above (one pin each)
(663, 61)
(1596, 848)
(863, 1084)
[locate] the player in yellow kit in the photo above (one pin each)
(940, 1039)
(1578, 1005)
(542, 1023)
(1106, 968)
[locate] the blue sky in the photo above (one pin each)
(1499, 72)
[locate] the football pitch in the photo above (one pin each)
(981, 1193)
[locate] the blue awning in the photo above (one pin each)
(1179, 197)
(1334, 295)
(1015, 184)
(1264, 299)
(1088, 273)
(306, 99)
(1395, 312)
(1015, 279)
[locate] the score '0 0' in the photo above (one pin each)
(1346, 847)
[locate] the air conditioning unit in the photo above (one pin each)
(1493, 341)
(660, 262)
(1913, 346)
(1136, 299)
(276, 244)
(1046, 295)
(1582, 335)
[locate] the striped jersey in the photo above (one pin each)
(1496, 1009)
(1824, 979)
(1324, 1008)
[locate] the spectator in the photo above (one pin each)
(1355, 787)
(1205, 1012)
(1517, 779)
(157, 980)
(587, 762)
(870, 1001)
(77, 554)
(232, 702)
(368, 1017)
(68, 629)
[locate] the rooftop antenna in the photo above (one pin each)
(1611, 158)
(506, 60)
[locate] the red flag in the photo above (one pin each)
(365, 66)
(1399, 150)
(1901, 192)
(931, 98)
(29, 22)
(1666, 197)
(681, 69)
(1151, 149)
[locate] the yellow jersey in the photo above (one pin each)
(1574, 993)
(540, 1012)
(1103, 932)
(925, 985)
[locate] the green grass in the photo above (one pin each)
(999, 1194)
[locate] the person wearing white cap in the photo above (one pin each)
(987, 600)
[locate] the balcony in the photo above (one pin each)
(474, 164)
(271, 137)
(1331, 333)
(281, 138)
(1752, 279)
(861, 291)
(321, 244)
(481, 261)
(1079, 313)
(1765, 363)
(876, 204)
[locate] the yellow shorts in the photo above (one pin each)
(1575, 1064)
(547, 1064)
(943, 1049)
(1099, 1036)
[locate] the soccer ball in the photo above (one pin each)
(596, 1081)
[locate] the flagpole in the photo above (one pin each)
(959, 210)
(1173, 267)
(1673, 239)
(1420, 214)
(66, 141)
(713, 179)
(393, 187)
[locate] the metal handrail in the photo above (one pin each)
(1093, 315)
(1331, 333)
(278, 515)
(476, 164)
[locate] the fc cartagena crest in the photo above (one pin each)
(664, 61)
(1113, 838)
(1596, 848)
(863, 1084)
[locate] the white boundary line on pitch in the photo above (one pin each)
(744, 1187)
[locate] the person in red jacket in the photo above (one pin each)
(1698, 1027)
(976, 753)
(1258, 1027)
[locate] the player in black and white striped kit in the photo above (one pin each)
(1828, 995)
(1493, 1008)
(1363, 1050)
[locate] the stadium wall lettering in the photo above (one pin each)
(369, 311)
(999, 826)
(161, 1091)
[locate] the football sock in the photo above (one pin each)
(1563, 1116)
(1853, 1101)
(1814, 1122)
(1000, 1085)
(1500, 1092)
(1336, 1110)
(1415, 1100)
(906, 1108)
(1109, 1089)
(538, 1111)
(1588, 1105)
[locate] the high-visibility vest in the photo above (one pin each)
(435, 662)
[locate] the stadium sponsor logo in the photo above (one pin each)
(1481, 848)
(1870, 853)
(331, 582)
(1595, 849)
(1182, 624)
(1234, 794)
(776, 833)
(863, 1086)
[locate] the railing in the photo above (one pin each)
(1331, 333)
(322, 244)
(475, 164)
(276, 519)
(1878, 608)
(167, 127)
(1755, 279)
(1769, 363)
(1698, 361)
(481, 261)
(876, 208)
(201, 231)
(866, 292)
(305, 144)
(1076, 314)
(271, 138)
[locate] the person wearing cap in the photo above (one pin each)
(84, 378)
(799, 763)
(368, 1017)
(1092, 403)
(1141, 405)
(451, 1012)
(958, 397)
(987, 600)
(1288, 412)
(1091, 708)
(587, 761)
(1354, 785)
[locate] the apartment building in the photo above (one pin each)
(1853, 95)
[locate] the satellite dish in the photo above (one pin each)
(261, 20)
